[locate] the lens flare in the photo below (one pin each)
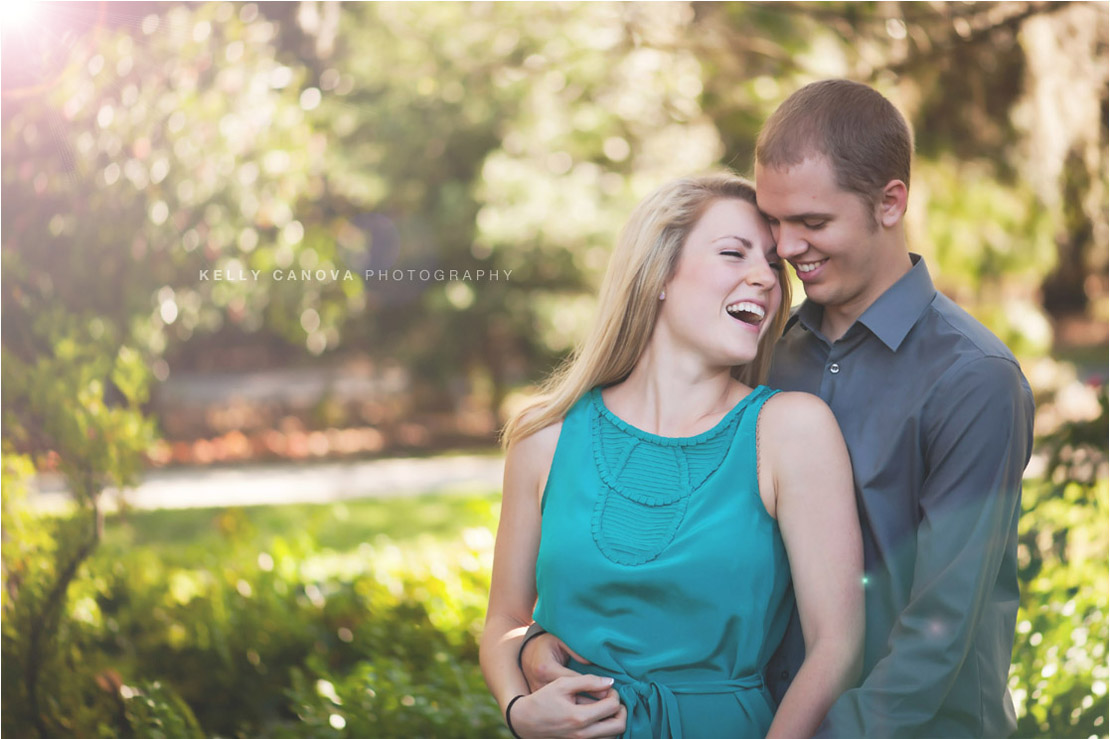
(16, 14)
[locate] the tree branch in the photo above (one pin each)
(55, 599)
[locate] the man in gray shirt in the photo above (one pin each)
(935, 411)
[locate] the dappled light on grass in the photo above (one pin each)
(340, 527)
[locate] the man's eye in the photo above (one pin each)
(777, 266)
(814, 225)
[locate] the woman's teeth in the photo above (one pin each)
(747, 312)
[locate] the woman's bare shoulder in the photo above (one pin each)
(794, 417)
(533, 453)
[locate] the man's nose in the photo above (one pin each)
(791, 244)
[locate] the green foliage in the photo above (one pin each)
(72, 392)
(246, 629)
(383, 696)
(81, 400)
(496, 137)
(981, 236)
(51, 684)
(155, 712)
(453, 136)
(159, 157)
(1059, 677)
(266, 633)
(96, 272)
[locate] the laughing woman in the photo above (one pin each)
(662, 510)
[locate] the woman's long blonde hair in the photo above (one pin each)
(644, 259)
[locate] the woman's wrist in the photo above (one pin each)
(533, 631)
(509, 717)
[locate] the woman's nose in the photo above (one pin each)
(761, 273)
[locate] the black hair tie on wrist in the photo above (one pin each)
(533, 631)
(508, 719)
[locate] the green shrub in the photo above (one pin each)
(153, 711)
(243, 634)
(1059, 675)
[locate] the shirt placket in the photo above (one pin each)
(837, 362)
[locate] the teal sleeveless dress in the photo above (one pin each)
(660, 565)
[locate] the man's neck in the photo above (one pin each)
(837, 319)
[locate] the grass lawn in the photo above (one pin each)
(174, 536)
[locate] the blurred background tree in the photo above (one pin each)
(146, 146)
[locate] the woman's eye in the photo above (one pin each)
(732, 253)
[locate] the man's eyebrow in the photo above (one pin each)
(798, 217)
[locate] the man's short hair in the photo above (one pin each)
(863, 136)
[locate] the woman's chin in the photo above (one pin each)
(739, 359)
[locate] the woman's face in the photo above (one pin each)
(725, 291)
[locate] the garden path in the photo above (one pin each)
(278, 484)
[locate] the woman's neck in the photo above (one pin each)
(673, 394)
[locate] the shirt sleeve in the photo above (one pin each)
(978, 436)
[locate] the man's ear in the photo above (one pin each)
(892, 203)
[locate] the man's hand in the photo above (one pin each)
(545, 659)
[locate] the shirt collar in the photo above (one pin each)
(891, 316)
(809, 315)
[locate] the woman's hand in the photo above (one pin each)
(554, 711)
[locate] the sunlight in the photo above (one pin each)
(16, 14)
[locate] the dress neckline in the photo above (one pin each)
(721, 425)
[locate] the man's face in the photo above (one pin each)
(828, 234)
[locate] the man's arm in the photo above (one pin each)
(979, 438)
(544, 658)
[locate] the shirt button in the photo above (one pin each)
(834, 368)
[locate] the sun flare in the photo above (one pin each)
(16, 14)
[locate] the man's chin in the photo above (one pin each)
(816, 292)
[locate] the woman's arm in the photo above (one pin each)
(552, 710)
(803, 457)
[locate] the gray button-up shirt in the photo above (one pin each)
(938, 420)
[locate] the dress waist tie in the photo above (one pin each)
(645, 700)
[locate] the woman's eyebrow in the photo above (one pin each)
(741, 239)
